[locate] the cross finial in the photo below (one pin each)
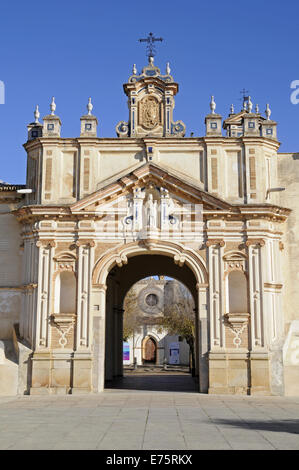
(244, 98)
(150, 47)
(244, 94)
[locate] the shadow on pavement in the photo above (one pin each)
(290, 426)
(155, 382)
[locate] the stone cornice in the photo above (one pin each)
(272, 285)
(183, 186)
(179, 142)
(150, 80)
(76, 211)
(12, 288)
(29, 287)
(11, 198)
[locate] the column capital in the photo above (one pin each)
(46, 243)
(99, 287)
(215, 241)
(202, 286)
(87, 242)
(255, 241)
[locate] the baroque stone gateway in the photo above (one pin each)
(218, 213)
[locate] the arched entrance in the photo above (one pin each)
(113, 276)
(149, 350)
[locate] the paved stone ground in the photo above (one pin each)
(125, 418)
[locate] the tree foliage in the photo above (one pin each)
(131, 322)
(179, 316)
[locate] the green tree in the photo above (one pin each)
(179, 317)
(131, 323)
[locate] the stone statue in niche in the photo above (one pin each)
(149, 112)
(151, 212)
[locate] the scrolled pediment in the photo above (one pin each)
(65, 261)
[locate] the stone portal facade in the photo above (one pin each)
(217, 212)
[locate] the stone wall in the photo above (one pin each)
(288, 170)
(10, 271)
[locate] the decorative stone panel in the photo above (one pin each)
(236, 330)
(63, 330)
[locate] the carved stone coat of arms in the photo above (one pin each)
(149, 112)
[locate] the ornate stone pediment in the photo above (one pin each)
(65, 262)
(147, 203)
(183, 189)
(235, 260)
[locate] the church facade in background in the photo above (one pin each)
(218, 213)
(151, 344)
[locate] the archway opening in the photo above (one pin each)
(149, 351)
(151, 359)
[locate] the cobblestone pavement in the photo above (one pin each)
(125, 418)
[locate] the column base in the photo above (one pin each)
(229, 391)
(50, 390)
(239, 373)
(80, 391)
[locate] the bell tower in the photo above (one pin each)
(150, 101)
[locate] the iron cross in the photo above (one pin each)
(150, 48)
(244, 94)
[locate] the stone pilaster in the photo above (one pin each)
(215, 253)
(202, 338)
(256, 292)
(85, 265)
(45, 272)
(98, 329)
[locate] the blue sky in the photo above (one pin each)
(74, 49)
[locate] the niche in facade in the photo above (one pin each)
(65, 292)
(237, 292)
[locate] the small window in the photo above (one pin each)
(34, 134)
(251, 125)
(213, 125)
(151, 300)
(269, 131)
(150, 149)
(50, 127)
(88, 127)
